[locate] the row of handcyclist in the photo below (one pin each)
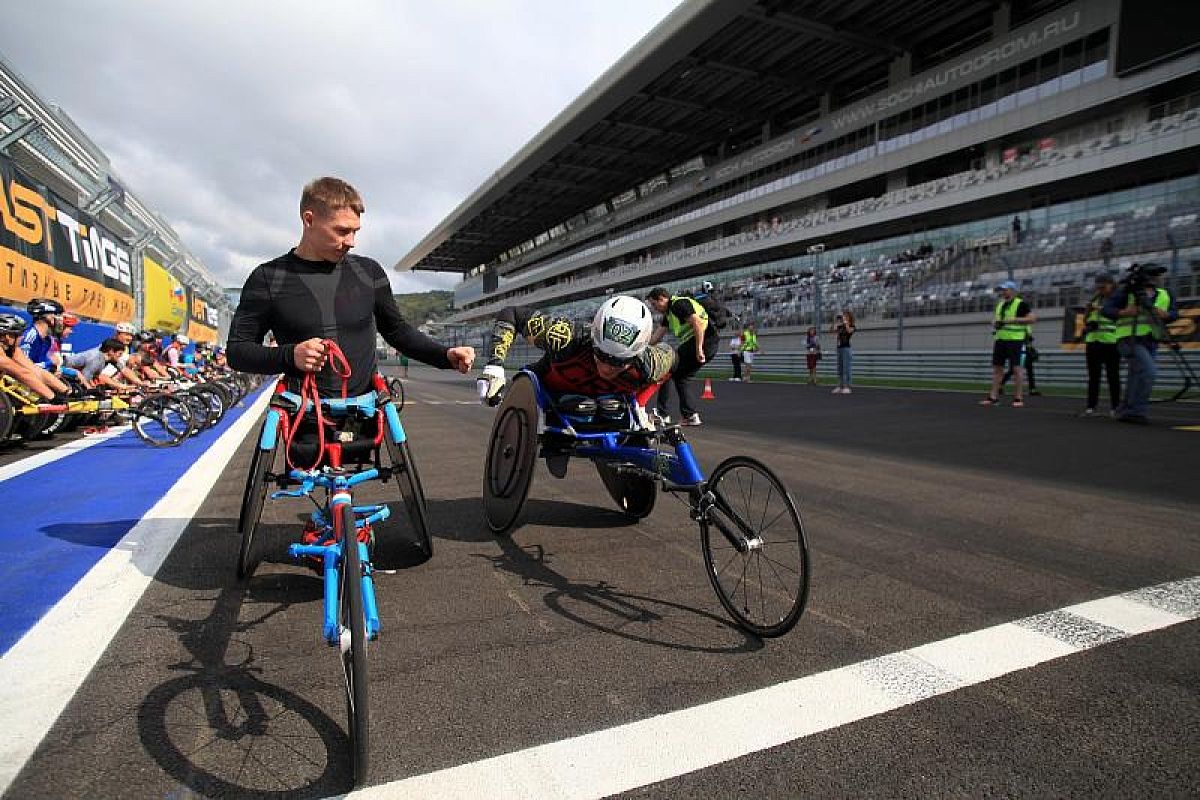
(46, 386)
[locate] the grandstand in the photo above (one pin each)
(92, 244)
(807, 156)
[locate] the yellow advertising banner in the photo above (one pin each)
(51, 249)
(166, 299)
(201, 333)
(23, 278)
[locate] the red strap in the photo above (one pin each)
(310, 394)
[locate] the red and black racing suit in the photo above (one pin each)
(568, 364)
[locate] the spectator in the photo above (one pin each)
(1016, 230)
(1029, 355)
(843, 328)
(1106, 251)
(1100, 343)
(1142, 311)
(735, 354)
(688, 323)
(812, 348)
(749, 348)
(1011, 322)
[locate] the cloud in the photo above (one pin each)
(215, 114)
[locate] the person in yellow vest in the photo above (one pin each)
(698, 341)
(1012, 323)
(1142, 311)
(749, 348)
(1100, 346)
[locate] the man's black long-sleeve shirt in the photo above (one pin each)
(347, 302)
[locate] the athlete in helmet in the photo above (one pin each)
(40, 340)
(16, 364)
(612, 355)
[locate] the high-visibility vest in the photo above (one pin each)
(683, 330)
(749, 342)
(1009, 331)
(1105, 331)
(1125, 326)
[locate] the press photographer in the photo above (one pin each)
(1142, 311)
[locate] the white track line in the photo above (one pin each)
(637, 754)
(62, 451)
(44, 669)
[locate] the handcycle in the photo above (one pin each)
(753, 542)
(24, 414)
(360, 428)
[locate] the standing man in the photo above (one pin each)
(749, 348)
(735, 354)
(1011, 322)
(1142, 312)
(1100, 344)
(318, 291)
(687, 321)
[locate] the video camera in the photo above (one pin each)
(1138, 276)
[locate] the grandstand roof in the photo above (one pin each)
(713, 71)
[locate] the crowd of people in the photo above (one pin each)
(36, 354)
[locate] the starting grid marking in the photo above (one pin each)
(640, 753)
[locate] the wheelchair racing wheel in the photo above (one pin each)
(262, 464)
(404, 472)
(634, 494)
(512, 451)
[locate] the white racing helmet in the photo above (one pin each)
(183, 340)
(125, 327)
(621, 329)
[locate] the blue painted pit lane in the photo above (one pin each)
(60, 519)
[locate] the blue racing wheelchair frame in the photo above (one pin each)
(753, 541)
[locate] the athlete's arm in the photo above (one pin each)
(250, 325)
(22, 369)
(400, 333)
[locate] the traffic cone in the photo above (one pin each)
(708, 392)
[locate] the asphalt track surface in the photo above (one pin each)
(928, 517)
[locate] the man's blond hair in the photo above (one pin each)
(325, 195)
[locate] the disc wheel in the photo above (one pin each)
(754, 546)
(162, 421)
(512, 451)
(633, 494)
(262, 465)
(354, 645)
(404, 472)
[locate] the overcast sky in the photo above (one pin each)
(216, 113)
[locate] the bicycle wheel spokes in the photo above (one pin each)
(354, 642)
(754, 547)
(162, 421)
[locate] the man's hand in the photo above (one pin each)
(461, 358)
(309, 355)
(700, 355)
(490, 384)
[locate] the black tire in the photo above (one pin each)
(200, 409)
(764, 588)
(354, 659)
(162, 421)
(7, 417)
(633, 494)
(512, 451)
(262, 464)
(408, 480)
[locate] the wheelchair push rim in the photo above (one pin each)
(512, 451)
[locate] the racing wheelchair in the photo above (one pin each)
(360, 430)
(754, 546)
